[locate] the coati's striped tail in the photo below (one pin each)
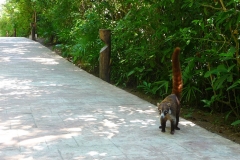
(177, 75)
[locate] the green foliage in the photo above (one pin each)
(189, 113)
(235, 123)
(15, 18)
(144, 34)
(153, 88)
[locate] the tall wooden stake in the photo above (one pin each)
(33, 26)
(105, 54)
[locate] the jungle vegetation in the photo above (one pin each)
(144, 34)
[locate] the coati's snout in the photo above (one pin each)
(165, 112)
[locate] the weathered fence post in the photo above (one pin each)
(15, 32)
(105, 54)
(33, 31)
(33, 26)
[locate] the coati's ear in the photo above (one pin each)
(160, 111)
(159, 108)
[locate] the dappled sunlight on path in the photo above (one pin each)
(50, 109)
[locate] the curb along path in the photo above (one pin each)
(50, 109)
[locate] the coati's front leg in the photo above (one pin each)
(163, 124)
(172, 126)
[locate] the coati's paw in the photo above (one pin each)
(172, 132)
(163, 129)
(177, 128)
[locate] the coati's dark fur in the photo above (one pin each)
(169, 108)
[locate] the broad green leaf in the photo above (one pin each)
(235, 84)
(230, 78)
(219, 82)
(205, 11)
(230, 52)
(237, 122)
(226, 117)
(221, 68)
(208, 74)
(145, 83)
(222, 17)
(230, 68)
(130, 73)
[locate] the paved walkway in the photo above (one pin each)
(50, 109)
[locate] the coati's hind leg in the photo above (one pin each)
(177, 120)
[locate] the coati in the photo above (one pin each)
(169, 108)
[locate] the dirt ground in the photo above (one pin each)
(215, 123)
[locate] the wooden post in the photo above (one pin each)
(105, 54)
(33, 26)
(15, 32)
(33, 31)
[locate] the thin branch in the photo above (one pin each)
(212, 40)
(223, 7)
(237, 46)
(209, 6)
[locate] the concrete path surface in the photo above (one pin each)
(52, 110)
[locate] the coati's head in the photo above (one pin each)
(164, 109)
